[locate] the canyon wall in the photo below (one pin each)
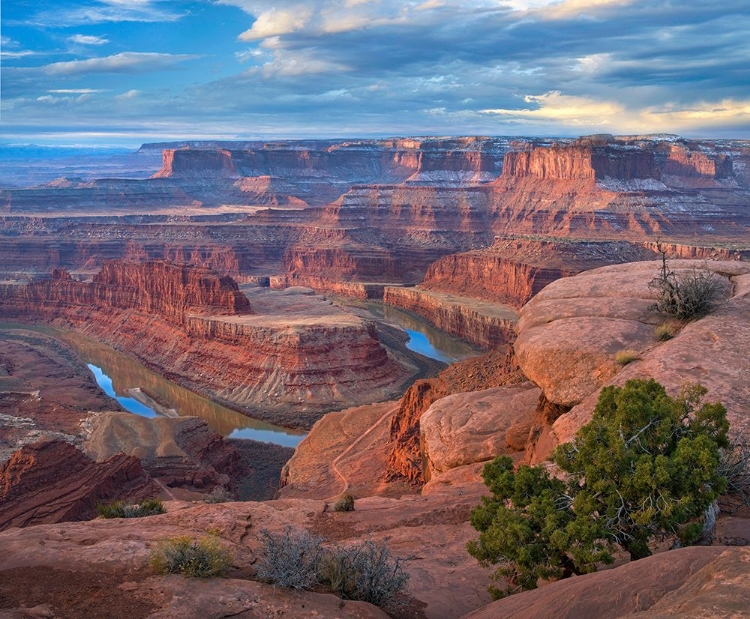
(297, 358)
(486, 325)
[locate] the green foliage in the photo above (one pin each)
(645, 465)
(119, 509)
(365, 571)
(344, 504)
(196, 558)
(625, 356)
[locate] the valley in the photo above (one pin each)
(290, 321)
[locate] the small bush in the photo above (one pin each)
(687, 297)
(623, 357)
(197, 558)
(734, 464)
(291, 559)
(344, 504)
(119, 509)
(366, 572)
(664, 332)
(218, 495)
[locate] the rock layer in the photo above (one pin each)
(484, 324)
(52, 481)
(301, 357)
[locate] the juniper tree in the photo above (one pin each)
(646, 465)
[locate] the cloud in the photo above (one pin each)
(72, 91)
(84, 39)
(130, 94)
(277, 22)
(124, 62)
(104, 11)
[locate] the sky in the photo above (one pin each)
(132, 71)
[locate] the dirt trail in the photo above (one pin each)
(359, 439)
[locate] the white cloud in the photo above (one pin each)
(277, 22)
(74, 91)
(557, 109)
(103, 11)
(85, 39)
(124, 62)
(130, 94)
(286, 64)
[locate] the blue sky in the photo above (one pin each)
(128, 71)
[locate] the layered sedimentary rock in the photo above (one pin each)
(179, 452)
(300, 354)
(484, 324)
(512, 271)
(52, 481)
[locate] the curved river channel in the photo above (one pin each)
(143, 392)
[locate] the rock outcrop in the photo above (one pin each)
(694, 582)
(484, 324)
(178, 452)
(405, 459)
(52, 481)
(571, 331)
(472, 427)
(513, 270)
(297, 358)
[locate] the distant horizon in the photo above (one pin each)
(134, 143)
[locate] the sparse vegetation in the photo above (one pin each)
(689, 296)
(344, 503)
(665, 331)
(184, 555)
(291, 559)
(366, 571)
(735, 466)
(646, 465)
(628, 355)
(218, 495)
(119, 509)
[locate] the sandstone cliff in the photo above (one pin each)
(484, 324)
(405, 459)
(52, 481)
(297, 358)
(513, 270)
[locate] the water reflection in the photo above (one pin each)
(424, 338)
(123, 373)
(129, 404)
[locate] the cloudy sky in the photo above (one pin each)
(127, 71)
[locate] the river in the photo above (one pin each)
(143, 392)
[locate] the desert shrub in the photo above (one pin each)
(689, 296)
(646, 465)
(735, 466)
(197, 558)
(119, 509)
(366, 572)
(291, 559)
(664, 332)
(628, 355)
(218, 495)
(344, 503)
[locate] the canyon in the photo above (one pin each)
(243, 272)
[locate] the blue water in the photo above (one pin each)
(268, 436)
(420, 343)
(278, 437)
(129, 404)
